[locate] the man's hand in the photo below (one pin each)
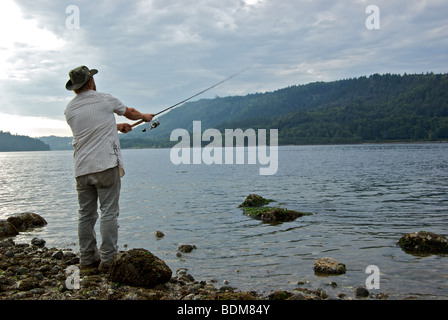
(124, 127)
(147, 117)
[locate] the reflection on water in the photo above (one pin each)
(363, 199)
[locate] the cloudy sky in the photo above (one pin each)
(154, 53)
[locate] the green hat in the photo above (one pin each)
(79, 77)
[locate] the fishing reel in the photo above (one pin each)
(154, 124)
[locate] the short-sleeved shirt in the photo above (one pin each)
(91, 116)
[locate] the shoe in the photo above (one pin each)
(104, 267)
(92, 265)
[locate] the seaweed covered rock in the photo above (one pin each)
(329, 266)
(424, 243)
(140, 268)
(255, 207)
(274, 215)
(254, 200)
(26, 220)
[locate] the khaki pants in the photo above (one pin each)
(105, 187)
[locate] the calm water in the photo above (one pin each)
(363, 199)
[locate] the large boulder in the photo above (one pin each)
(26, 220)
(7, 229)
(424, 243)
(329, 266)
(139, 268)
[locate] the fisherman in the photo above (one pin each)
(98, 163)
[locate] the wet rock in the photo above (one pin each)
(26, 220)
(280, 295)
(159, 234)
(38, 242)
(329, 266)
(139, 267)
(424, 243)
(362, 292)
(27, 284)
(58, 255)
(254, 200)
(186, 248)
(7, 229)
(273, 215)
(255, 207)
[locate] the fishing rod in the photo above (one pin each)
(156, 123)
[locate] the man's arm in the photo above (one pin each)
(134, 114)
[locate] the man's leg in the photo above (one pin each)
(87, 216)
(108, 188)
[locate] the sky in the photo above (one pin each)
(151, 54)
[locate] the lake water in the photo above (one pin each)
(363, 199)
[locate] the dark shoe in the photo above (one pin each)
(93, 265)
(104, 267)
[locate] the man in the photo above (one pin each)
(98, 163)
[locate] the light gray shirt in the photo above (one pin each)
(91, 116)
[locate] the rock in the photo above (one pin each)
(159, 234)
(139, 267)
(186, 248)
(273, 215)
(329, 266)
(362, 292)
(27, 284)
(424, 242)
(58, 255)
(38, 242)
(26, 220)
(254, 200)
(7, 229)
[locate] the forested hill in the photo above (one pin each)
(377, 108)
(9, 142)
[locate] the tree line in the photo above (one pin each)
(9, 142)
(375, 108)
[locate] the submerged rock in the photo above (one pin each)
(254, 200)
(273, 215)
(186, 248)
(329, 266)
(26, 220)
(159, 234)
(424, 242)
(140, 268)
(255, 207)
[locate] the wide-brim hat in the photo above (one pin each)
(79, 77)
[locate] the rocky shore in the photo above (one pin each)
(35, 272)
(32, 271)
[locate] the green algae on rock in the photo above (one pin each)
(255, 206)
(274, 215)
(254, 200)
(423, 242)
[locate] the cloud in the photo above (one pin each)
(154, 53)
